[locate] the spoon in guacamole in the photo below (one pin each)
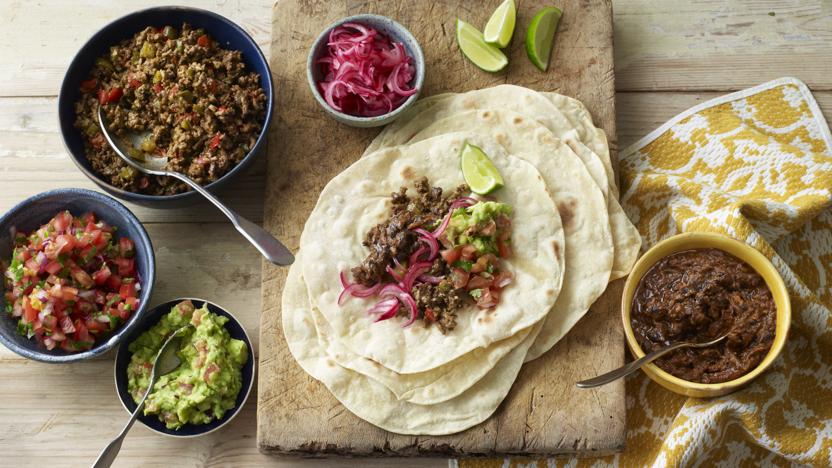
(166, 362)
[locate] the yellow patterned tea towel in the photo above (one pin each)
(756, 165)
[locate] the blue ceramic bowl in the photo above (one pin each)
(235, 329)
(397, 33)
(36, 211)
(225, 32)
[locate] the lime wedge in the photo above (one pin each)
(480, 173)
(472, 44)
(541, 36)
(500, 27)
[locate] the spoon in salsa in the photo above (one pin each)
(628, 369)
(270, 247)
(167, 360)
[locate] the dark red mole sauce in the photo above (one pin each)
(698, 295)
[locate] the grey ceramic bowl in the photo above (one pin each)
(397, 33)
(38, 210)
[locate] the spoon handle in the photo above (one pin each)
(628, 369)
(270, 247)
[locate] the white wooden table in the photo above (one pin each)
(670, 55)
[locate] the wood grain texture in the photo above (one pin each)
(721, 45)
(40, 426)
(544, 412)
(39, 39)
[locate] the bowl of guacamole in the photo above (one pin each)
(210, 385)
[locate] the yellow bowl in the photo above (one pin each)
(758, 261)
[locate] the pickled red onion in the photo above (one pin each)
(364, 72)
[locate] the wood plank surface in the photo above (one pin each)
(38, 40)
(544, 413)
(721, 45)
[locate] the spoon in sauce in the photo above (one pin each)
(628, 369)
(166, 362)
(270, 247)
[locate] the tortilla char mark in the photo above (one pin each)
(566, 209)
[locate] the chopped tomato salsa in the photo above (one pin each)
(71, 282)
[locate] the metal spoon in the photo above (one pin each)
(166, 361)
(270, 247)
(628, 369)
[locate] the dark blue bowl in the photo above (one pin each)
(151, 318)
(221, 29)
(36, 211)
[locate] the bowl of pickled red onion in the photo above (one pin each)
(365, 70)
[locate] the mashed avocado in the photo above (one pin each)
(469, 225)
(207, 382)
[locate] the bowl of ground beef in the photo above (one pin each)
(181, 85)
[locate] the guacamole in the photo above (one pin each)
(207, 382)
(477, 226)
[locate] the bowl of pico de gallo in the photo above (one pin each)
(77, 274)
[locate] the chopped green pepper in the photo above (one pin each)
(170, 32)
(158, 76)
(186, 96)
(101, 62)
(148, 50)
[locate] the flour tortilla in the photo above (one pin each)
(425, 388)
(372, 401)
(359, 198)
(628, 239)
(580, 203)
(566, 118)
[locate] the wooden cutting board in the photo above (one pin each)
(544, 413)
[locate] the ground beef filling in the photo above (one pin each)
(395, 239)
(202, 109)
(698, 295)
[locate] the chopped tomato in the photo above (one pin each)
(451, 255)
(88, 86)
(114, 282)
(81, 277)
(135, 83)
(478, 282)
(203, 40)
(157, 88)
(429, 315)
(62, 221)
(469, 252)
(102, 275)
(503, 248)
(114, 95)
(102, 96)
(459, 277)
(215, 141)
(65, 282)
(126, 266)
(127, 290)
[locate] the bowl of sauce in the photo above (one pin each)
(697, 287)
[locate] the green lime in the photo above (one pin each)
(472, 44)
(541, 36)
(480, 173)
(500, 27)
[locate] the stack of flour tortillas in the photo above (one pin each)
(569, 236)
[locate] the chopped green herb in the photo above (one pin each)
(464, 264)
(475, 293)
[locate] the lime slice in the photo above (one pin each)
(500, 27)
(472, 44)
(480, 173)
(541, 36)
